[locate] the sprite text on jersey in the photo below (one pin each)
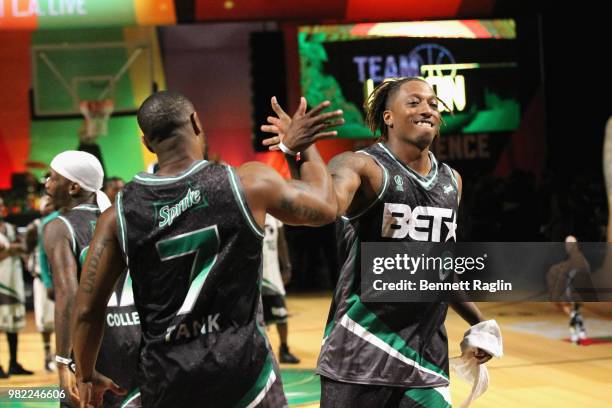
(419, 223)
(169, 213)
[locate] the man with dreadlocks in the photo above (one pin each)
(389, 354)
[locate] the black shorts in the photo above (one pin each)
(336, 394)
(275, 310)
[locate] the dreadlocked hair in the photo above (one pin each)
(376, 104)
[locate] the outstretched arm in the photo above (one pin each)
(302, 130)
(348, 169)
(103, 266)
(310, 201)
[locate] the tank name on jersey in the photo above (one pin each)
(168, 213)
(419, 223)
(122, 319)
(208, 324)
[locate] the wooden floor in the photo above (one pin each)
(535, 372)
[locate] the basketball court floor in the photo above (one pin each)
(540, 367)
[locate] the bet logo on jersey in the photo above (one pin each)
(419, 223)
(399, 183)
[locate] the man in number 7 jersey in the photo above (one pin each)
(191, 235)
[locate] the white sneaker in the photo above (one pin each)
(573, 335)
(50, 366)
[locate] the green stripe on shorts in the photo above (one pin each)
(427, 397)
(260, 384)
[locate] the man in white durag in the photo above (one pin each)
(75, 188)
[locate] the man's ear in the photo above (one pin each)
(74, 189)
(195, 123)
(146, 143)
(388, 118)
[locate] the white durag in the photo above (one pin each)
(485, 336)
(84, 169)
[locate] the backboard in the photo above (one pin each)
(65, 74)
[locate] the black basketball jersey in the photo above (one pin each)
(118, 356)
(194, 252)
(395, 344)
(81, 222)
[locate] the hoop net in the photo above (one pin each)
(96, 114)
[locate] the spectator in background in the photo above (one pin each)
(12, 297)
(569, 282)
(276, 273)
(44, 306)
(112, 186)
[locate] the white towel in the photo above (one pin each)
(485, 336)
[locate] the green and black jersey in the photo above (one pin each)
(194, 253)
(81, 223)
(118, 356)
(393, 344)
(43, 261)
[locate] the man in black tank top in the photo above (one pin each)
(191, 235)
(390, 354)
(74, 186)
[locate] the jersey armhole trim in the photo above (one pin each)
(454, 179)
(83, 255)
(240, 199)
(130, 397)
(380, 195)
(71, 231)
(122, 227)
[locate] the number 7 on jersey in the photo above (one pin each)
(205, 243)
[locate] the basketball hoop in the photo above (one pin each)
(96, 114)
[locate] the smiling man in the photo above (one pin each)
(389, 354)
